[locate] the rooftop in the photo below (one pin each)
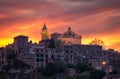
(21, 36)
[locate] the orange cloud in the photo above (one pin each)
(95, 19)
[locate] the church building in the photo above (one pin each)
(70, 37)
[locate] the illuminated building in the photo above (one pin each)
(44, 33)
(70, 37)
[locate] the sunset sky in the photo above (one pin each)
(89, 18)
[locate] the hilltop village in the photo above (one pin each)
(23, 59)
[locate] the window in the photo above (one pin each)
(69, 34)
(37, 64)
(66, 51)
(46, 56)
(41, 50)
(41, 55)
(39, 59)
(46, 60)
(37, 50)
(37, 55)
(71, 56)
(42, 64)
(52, 56)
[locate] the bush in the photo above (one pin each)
(97, 74)
(83, 66)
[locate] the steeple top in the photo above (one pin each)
(69, 28)
(44, 26)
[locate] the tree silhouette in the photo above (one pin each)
(52, 44)
(97, 74)
(49, 70)
(83, 66)
(10, 54)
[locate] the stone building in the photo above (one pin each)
(55, 35)
(68, 49)
(2, 58)
(70, 37)
(20, 43)
(44, 55)
(44, 33)
(75, 53)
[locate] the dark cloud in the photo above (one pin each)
(21, 11)
(108, 26)
(12, 6)
(70, 13)
(23, 3)
(75, 13)
(113, 23)
(91, 6)
(85, 8)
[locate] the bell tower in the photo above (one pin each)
(44, 33)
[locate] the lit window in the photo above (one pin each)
(104, 63)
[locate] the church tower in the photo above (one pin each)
(44, 33)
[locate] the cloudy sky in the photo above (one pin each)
(89, 18)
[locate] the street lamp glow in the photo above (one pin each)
(104, 63)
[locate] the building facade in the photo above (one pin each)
(70, 37)
(68, 48)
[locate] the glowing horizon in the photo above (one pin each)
(91, 19)
(84, 40)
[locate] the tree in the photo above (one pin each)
(3, 76)
(69, 66)
(19, 64)
(59, 43)
(115, 70)
(40, 69)
(49, 70)
(60, 67)
(16, 64)
(52, 44)
(7, 67)
(97, 74)
(83, 66)
(11, 54)
(83, 75)
(52, 68)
